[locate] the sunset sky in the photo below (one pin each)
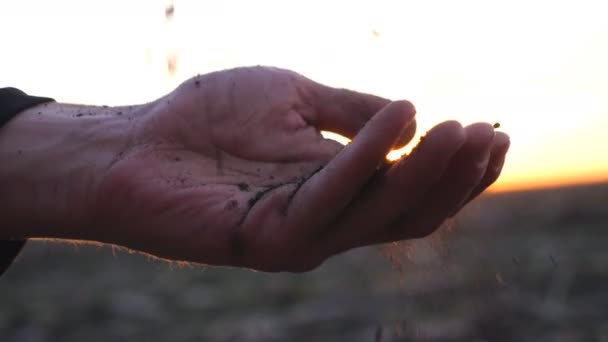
(538, 67)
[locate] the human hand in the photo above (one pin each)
(231, 169)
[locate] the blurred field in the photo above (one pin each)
(514, 267)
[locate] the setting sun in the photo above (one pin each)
(537, 67)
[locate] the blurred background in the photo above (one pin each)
(524, 263)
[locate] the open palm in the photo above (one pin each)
(231, 169)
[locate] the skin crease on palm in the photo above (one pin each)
(231, 169)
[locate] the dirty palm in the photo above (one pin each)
(232, 170)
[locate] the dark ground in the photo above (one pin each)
(515, 267)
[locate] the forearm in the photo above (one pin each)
(52, 158)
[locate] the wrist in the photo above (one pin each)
(53, 157)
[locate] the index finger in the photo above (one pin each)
(324, 196)
(345, 111)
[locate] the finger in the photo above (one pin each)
(345, 112)
(497, 160)
(406, 137)
(402, 186)
(330, 190)
(464, 174)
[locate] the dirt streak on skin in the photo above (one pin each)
(297, 188)
(258, 195)
(238, 247)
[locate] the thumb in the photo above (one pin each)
(345, 111)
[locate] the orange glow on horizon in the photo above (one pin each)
(523, 184)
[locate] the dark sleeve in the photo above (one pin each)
(12, 102)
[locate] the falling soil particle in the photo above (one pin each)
(172, 64)
(553, 261)
(169, 12)
(378, 334)
(496, 125)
